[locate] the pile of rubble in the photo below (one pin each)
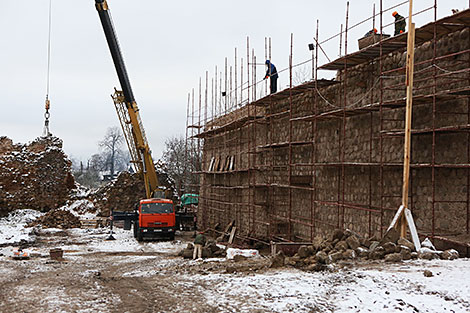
(34, 176)
(210, 250)
(347, 245)
(57, 218)
(122, 194)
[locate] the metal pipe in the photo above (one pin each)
(290, 135)
(381, 174)
(433, 147)
(248, 66)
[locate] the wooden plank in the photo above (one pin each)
(229, 225)
(232, 235)
(413, 231)
(396, 217)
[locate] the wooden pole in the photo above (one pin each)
(409, 105)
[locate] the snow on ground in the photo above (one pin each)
(84, 209)
(125, 242)
(404, 286)
(12, 227)
(386, 288)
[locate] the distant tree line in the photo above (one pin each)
(112, 158)
(179, 162)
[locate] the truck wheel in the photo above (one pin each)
(136, 229)
(139, 236)
(172, 236)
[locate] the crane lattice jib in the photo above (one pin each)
(127, 109)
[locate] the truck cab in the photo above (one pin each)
(156, 219)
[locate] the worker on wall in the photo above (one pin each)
(371, 32)
(199, 242)
(400, 23)
(271, 72)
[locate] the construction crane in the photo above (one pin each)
(128, 111)
(154, 216)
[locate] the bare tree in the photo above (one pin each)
(301, 75)
(111, 146)
(174, 159)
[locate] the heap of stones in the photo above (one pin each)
(124, 193)
(347, 245)
(210, 250)
(34, 176)
(57, 218)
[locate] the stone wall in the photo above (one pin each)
(345, 170)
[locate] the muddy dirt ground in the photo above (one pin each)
(127, 276)
(107, 276)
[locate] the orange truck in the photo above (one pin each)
(155, 218)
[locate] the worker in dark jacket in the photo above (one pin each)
(199, 242)
(271, 72)
(371, 32)
(400, 23)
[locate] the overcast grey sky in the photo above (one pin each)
(167, 46)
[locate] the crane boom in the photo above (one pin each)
(127, 109)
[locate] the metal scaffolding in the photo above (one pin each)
(261, 158)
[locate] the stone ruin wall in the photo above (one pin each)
(361, 145)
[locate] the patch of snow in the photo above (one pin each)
(248, 253)
(13, 227)
(382, 288)
(125, 242)
(428, 244)
(405, 288)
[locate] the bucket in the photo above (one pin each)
(56, 254)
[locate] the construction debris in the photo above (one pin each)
(34, 176)
(57, 218)
(347, 245)
(210, 250)
(19, 254)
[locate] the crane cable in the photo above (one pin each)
(46, 131)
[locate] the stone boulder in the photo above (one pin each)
(322, 257)
(353, 242)
(450, 254)
(406, 243)
(341, 246)
(389, 247)
(303, 252)
(393, 257)
(390, 236)
(278, 260)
